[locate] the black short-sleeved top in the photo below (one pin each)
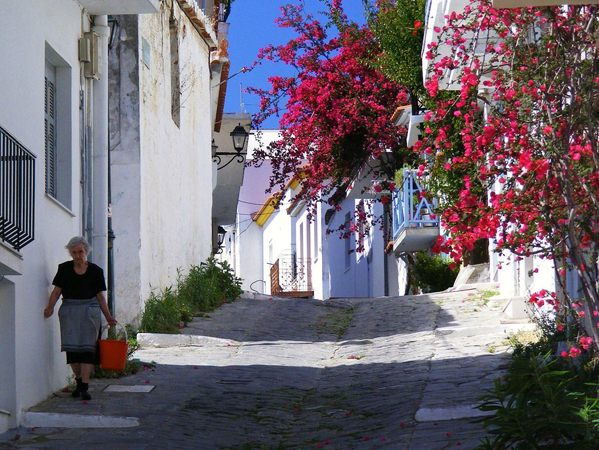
(77, 286)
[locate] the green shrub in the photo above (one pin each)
(545, 401)
(204, 288)
(164, 312)
(432, 273)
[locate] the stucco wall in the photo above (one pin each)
(365, 275)
(32, 364)
(278, 238)
(125, 165)
(176, 167)
(162, 172)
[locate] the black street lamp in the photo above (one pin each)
(220, 239)
(239, 136)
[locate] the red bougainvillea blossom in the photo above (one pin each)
(335, 112)
(523, 126)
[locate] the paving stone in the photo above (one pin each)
(295, 373)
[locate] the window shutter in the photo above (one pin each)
(50, 128)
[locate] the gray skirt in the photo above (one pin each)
(80, 322)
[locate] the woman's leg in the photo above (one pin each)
(86, 371)
(76, 368)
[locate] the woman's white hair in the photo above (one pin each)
(78, 240)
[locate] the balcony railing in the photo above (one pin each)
(290, 275)
(17, 192)
(415, 224)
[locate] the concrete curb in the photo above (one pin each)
(484, 330)
(449, 413)
(157, 340)
(59, 420)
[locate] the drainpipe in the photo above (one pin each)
(100, 149)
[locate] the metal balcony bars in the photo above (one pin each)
(17, 192)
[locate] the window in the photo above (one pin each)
(50, 128)
(57, 128)
(175, 74)
(315, 218)
(348, 242)
(301, 242)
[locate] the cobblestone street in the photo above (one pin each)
(272, 373)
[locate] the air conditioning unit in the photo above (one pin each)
(90, 54)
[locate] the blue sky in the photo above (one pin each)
(251, 28)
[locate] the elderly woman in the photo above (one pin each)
(82, 286)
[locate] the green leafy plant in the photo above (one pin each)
(548, 399)
(163, 312)
(433, 273)
(543, 403)
(204, 288)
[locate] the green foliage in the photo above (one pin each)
(433, 273)
(399, 30)
(205, 288)
(163, 312)
(544, 401)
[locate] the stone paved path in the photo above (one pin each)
(277, 373)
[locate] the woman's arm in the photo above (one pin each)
(104, 307)
(54, 296)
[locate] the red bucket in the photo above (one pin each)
(113, 353)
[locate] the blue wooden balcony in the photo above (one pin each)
(415, 223)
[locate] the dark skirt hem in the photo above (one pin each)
(83, 358)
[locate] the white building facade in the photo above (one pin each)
(517, 277)
(53, 175)
(165, 104)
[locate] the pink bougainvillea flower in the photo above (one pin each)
(417, 24)
(449, 434)
(564, 354)
(574, 352)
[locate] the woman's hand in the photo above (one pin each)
(48, 311)
(111, 321)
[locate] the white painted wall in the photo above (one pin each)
(162, 173)
(278, 238)
(315, 225)
(249, 252)
(32, 364)
(364, 276)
